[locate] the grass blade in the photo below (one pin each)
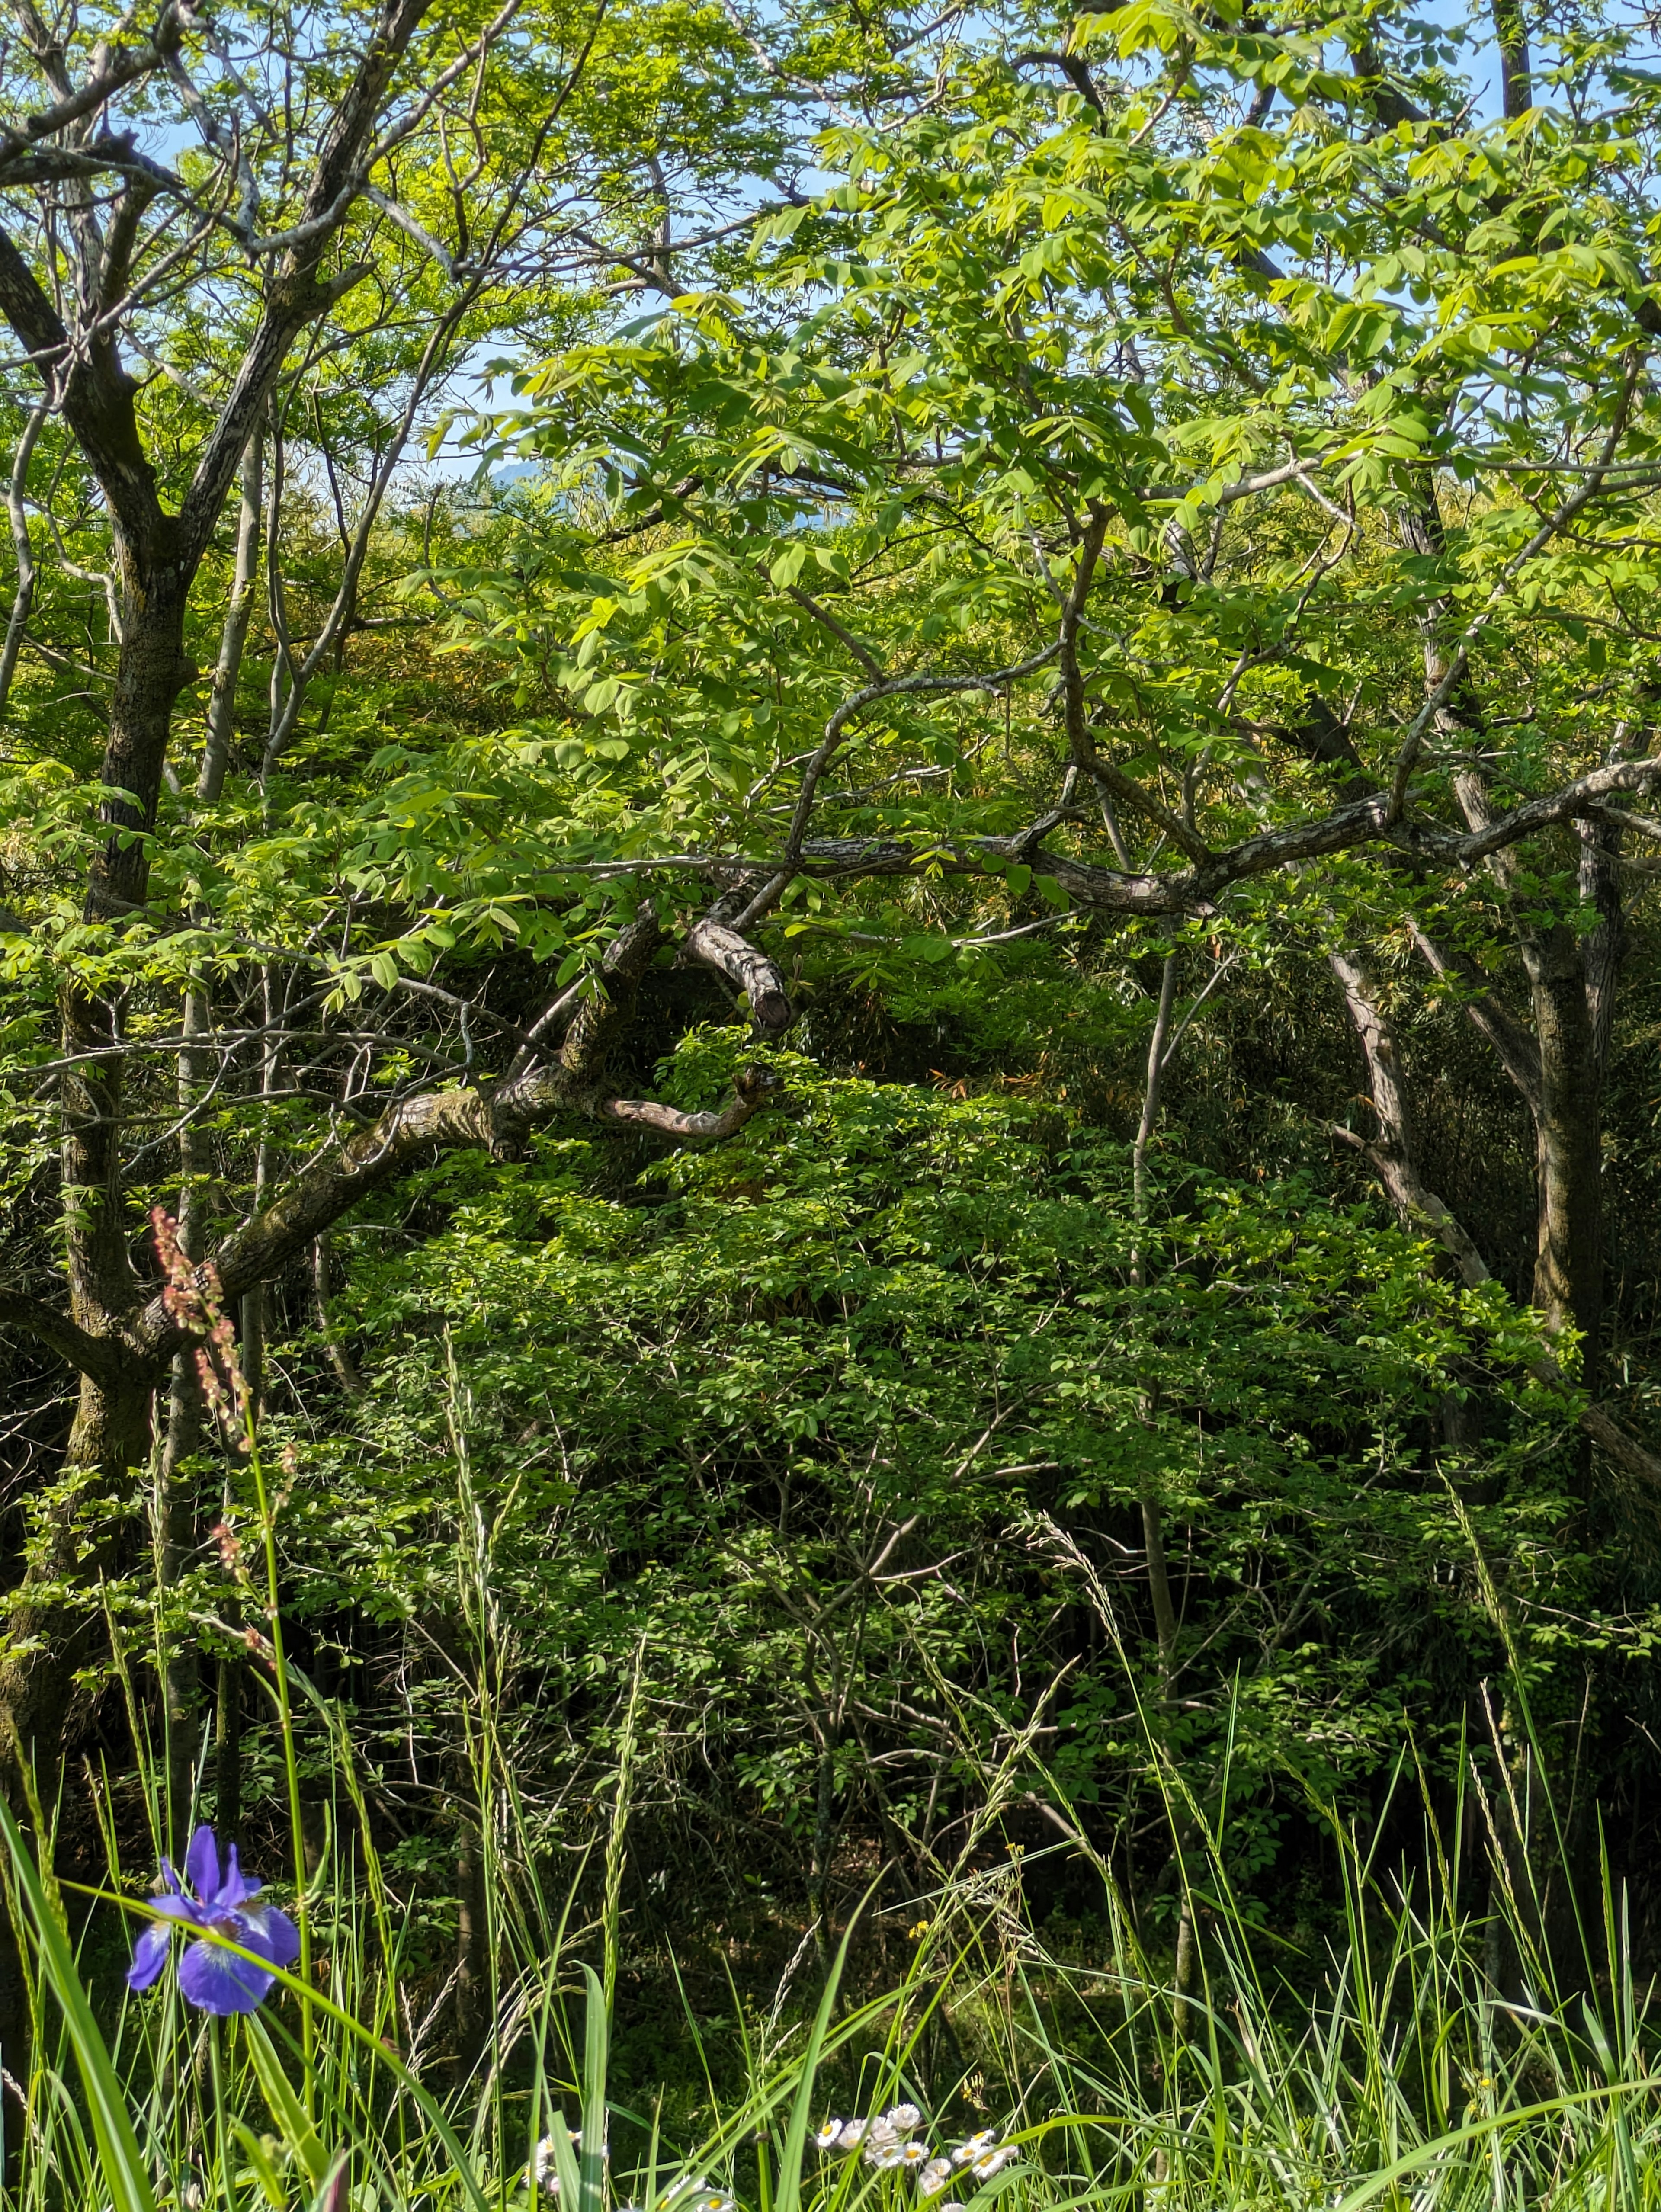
(118, 2156)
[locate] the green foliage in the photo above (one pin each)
(962, 477)
(843, 1424)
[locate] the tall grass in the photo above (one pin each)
(1398, 2073)
(1388, 2067)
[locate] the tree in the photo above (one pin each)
(348, 208)
(1274, 441)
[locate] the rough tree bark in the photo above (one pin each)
(1559, 1072)
(1516, 77)
(1572, 979)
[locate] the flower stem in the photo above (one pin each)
(290, 1764)
(222, 2148)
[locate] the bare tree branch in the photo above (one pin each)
(1392, 1158)
(23, 593)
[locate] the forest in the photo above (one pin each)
(832, 1288)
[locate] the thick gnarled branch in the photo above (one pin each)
(103, 1357)
(714, 945)
(751, 1087)
(496, 1118)
(1196, 889)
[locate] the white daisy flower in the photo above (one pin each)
(853, 2133)
(829, 2135)
(881, 2134)
(688, 2195)
(976, 2146)
(934, 2176)
(885, 2160)
(903, 2117)
(914, 2155)
(993, 2162)
(543, 2173)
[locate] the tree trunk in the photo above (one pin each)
(1516, 76)
(1530, 1905)
(222, 699)
(103, 1289)
(1568, 1270)
(473, 1991)
(22, 603)
(111, 1434)
(1571, 978)
(111, 1430)
(323, 1286)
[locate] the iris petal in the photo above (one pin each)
(215, 1980)
(201, 1863)
(150, 1955)
(235, 1889)
(271, 1932)
(177, 1908)
(213, 1977)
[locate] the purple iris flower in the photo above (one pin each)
(211, 1977)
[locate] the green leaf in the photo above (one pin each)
(787, 565)
(119, 2160)
(292, 2121)
(566, 2170)
(592, 2189)
(256, 2149)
